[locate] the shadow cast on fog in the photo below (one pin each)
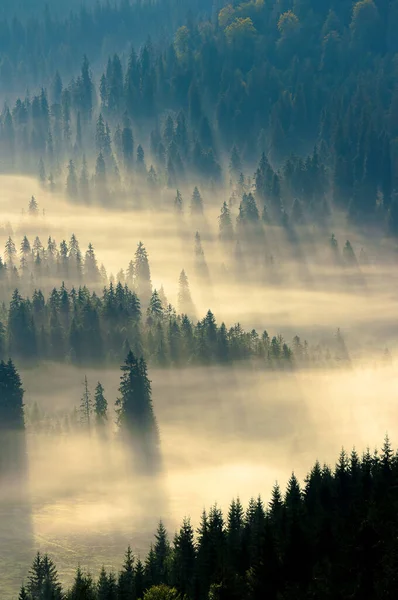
(16, 531)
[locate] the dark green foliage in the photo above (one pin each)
(292, 549)
(89, 328)
(241, 84)
(83, 587)
(43, 581)
(136, 418)
(11, 398)
(126, 581)
(100, 405)
(183, 563)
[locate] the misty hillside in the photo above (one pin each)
(293, 82)
(198, 297)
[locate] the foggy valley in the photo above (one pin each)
(198, 300)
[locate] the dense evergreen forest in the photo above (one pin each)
(39, 38)
(274, 78)
(332, 537)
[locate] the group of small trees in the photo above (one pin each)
(99, 406)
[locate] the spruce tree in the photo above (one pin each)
(126, 581)
(196, 202)
(226, 230)
(162, 553)
(142, 273)
(33, 208)
(185, 303)
(139, 579)
(11, 398)
(103, 586)
(71, 181)
(201, 267)
(155, 308)
(136, 418)
(43, 580)
(10, 251)
(100, 406)
(91, 270)
(184, 556)
(83, 587)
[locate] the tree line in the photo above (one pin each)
(84, 328)
(334, 536)
(244, 239)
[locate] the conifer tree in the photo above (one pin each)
(33, 208)
(162, 553)
(139, 579)
(185, 303)
(136, 418)
(100, 405)
(11, 398)
(91, 270)
(126, 581)
(349, 255)
(142, 272)
(184, 555)
(130, 274)
(103, 586)
(141, 167)
(155, 308)
(201, 268)
(23, 595)
(71, 181)
(10, 251)
(83, 587)
(86, 407)
(43, 579)
(128, 147)
(42, 172)
(178, 203)
(226, 231)
(100, 177)
(235, 163)
(84, 185)
(196, 202)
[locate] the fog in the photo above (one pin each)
(305, 293)
(224, 431)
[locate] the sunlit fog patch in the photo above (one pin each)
(282, 299)
(285, 421)
(225, 431)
